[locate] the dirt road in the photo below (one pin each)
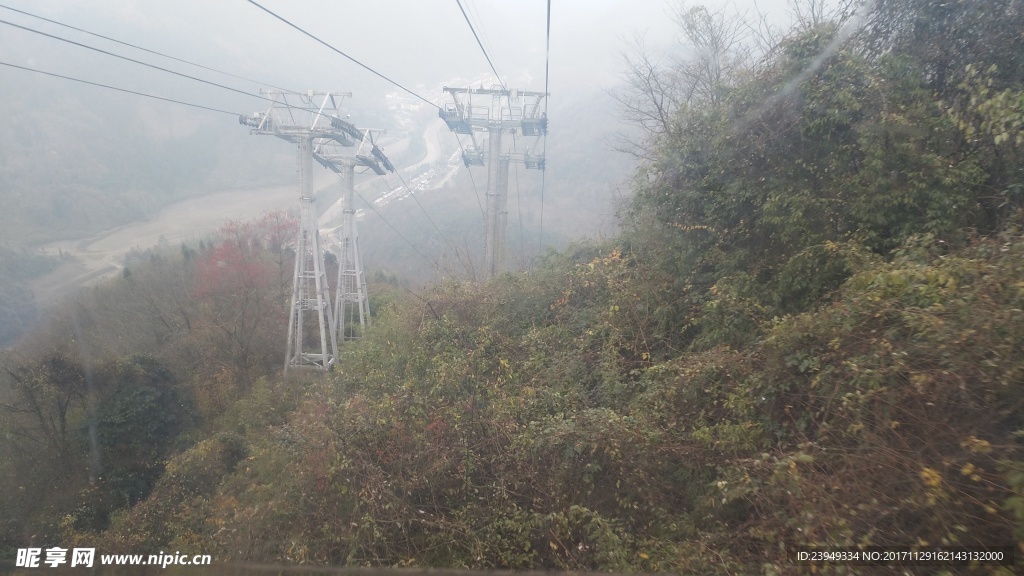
(100, 256)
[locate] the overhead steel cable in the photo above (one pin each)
(129, 44)
(519, 208)
(547, 57)
(118, 89)
(474, 15)
(378, 74)
(471, 179)
(455, 250)
(478, 43)
(543, 174)
(400, 235)
(429, 219)
(433, 263)
(364, 66)
(408, 212)
(519, 205)
(148, 65)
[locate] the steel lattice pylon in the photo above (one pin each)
(321, 134)
(495, 111)
(310, 291)
(351, 302)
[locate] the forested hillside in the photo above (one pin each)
(809, 331)
(17, 307)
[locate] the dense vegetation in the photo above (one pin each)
(809, 331)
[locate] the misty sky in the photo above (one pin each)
(422, 44)
(419, 43)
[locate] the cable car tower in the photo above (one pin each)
(496, 111)
(312, 120)
(351, 303)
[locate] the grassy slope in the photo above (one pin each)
(525, 424)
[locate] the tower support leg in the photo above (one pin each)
(501, 223)
(493, 200)
(310, 291)
(352, 308)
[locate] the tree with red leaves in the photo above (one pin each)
(241, 288)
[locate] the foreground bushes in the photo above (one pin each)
(890, 416)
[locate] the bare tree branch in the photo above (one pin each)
(656, 89)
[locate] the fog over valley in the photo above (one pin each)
(580, 286)
(89, 173)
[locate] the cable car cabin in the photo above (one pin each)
(472, 158)
(383, 159)
(535, 126)
(371, 163)
(455, 118)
